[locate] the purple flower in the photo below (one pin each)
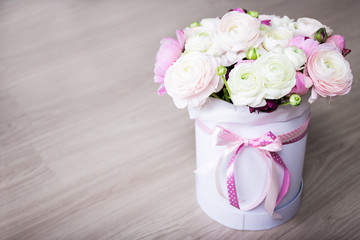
(271, 105)
(266, 22)
(240, 10)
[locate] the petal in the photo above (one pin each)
(314, 96)
(308, 82)
(181, 38)
(161, 91)
(338, 40)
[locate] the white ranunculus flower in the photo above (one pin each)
(277, 21)
(308, 26)
(200, 42)
(192, 30)
(262, 50)
(206, 25)
(215, 50)
(284, 22)
(229, 58)
(201, 38)
(192, 79)
(264, 29)
(245, 87)
(209, 22)
(263, 17)
(277, 74)
(279, 36)
(296, 56)
(237, 32)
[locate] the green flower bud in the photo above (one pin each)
(295, 100)
(321, 35)
(221, 70)
(253, 53)
(194, 24)
(254, 14)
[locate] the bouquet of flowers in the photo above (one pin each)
(247, 59)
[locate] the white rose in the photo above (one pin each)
(308, 26)
(279, 36)
(237, 32)
(277, 74)
(192, 79)
(296, 56)
(245, 87)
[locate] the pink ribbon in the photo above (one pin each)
(267, 145)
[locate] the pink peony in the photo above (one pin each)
(329, 72)
(170, 50)
(304, 43)
(300, 87)
(339, 41)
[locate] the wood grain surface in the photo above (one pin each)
(89, 151)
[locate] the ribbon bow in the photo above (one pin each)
(267, 145)
(268, 142)
(264, 144)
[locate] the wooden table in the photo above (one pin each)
(89, 151)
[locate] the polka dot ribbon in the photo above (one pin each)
(267, 145)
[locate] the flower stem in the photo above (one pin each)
(215, 96)
(285, 103)
(226, 85)
(226, 95)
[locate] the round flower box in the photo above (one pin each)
(250, 168)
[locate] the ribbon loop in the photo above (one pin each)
(267, 145)
(223, 137)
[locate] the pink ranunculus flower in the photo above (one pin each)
(329, 72)
(304, 43)
(170, 50)
(339, 41)
(300, 87)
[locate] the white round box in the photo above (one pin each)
(250, 168)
